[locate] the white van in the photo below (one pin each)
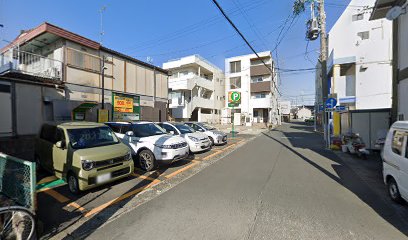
(395, 161)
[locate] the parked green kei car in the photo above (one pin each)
(84, 154)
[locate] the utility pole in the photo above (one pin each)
(323, 64)
(312, 34)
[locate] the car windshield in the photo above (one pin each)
(147, 130)
(184, 128)
(207, 126)
(91, 137)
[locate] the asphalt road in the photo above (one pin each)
(281, 185)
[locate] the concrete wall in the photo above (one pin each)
(403, 66)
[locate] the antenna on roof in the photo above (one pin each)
(102, 32)
(149, 60)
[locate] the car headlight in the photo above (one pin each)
(163, 146)
(87, 165)
(194, 139)
(128, 156)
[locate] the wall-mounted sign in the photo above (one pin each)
(125, 107)
(234, 97)
(122, 104)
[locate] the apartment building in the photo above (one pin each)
(196, 89)
(400, 53)
(360, 71)
(248, 75)
(50, 74)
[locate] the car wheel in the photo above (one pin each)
(73, 184)
(393, 191)
(212, 140)
(147, 160)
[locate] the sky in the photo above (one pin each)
(161, 30)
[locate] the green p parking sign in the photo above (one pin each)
(234, 97)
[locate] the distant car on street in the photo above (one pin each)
(216, 137)
(85, 154)
(150, 144)
(197, 141)
(310, 120)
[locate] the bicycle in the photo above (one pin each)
(16, 223)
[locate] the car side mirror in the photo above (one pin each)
(60, 144)
(130, 133)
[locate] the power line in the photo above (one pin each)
(188, 29)
(251, 25)
(246, 41)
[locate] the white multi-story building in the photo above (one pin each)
(196, 89)
(360, 61)
(400, 54)
(248, 75)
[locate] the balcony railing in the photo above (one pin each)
(30, 64)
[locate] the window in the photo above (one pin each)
(235, 67)
(397, 142)
(184, 129)
(125, 128)
(114, 126)
(147, 130)
(235, 82)
(83, 60)
(81, 138)
(364, 35)
(259, 95)
(168, 128)
(358, 17)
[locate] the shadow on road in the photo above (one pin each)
(300, 136)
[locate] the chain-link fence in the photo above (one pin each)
(18, 180)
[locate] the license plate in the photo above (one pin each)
(103, 178)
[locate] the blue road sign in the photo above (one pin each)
(341, 109)
(321, 107)
(331, 103)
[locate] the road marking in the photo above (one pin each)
(58, 196)
(230, 146)
(144, 177)
(181, 170)
(122, 197)
(47, 179)
(212, 155)
(76, 206)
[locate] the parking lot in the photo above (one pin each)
(61, 212)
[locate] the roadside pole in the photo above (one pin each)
(233, 130)
(323, 62)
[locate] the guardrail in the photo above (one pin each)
(18, 180)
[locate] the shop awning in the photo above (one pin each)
(83, 107)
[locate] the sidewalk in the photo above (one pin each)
(252, 130)
(370, 172)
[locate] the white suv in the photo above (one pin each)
(150, 143)
(216, 137)
(197, 141)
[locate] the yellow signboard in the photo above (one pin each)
(123, 104)
(103, 115)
